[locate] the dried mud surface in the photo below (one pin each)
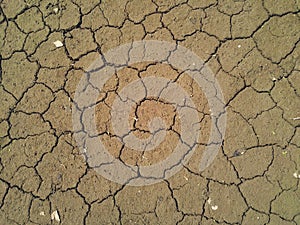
(252, 47)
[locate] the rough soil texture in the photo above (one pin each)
(253, 49)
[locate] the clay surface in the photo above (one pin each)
(253, 50)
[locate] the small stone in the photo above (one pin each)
(42, 213)
(239, 46)
(55, 216)
(58, 43)
(55, 10)
(296, 175)
(214, 207)
(209, 200)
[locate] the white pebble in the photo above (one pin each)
(209, 200)
(214, 207)
(55, 10)
(58, 44)
(55, 216)
(296, 175)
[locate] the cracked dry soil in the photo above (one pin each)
(253, 49)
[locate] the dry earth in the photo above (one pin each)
(253, 49)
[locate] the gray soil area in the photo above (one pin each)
(252, 48)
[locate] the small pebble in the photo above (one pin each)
(214, 207)
(55, 216)
(296, 175)
(58, 44)
(209, 200)
(55, 10)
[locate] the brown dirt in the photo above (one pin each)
(251, 46)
